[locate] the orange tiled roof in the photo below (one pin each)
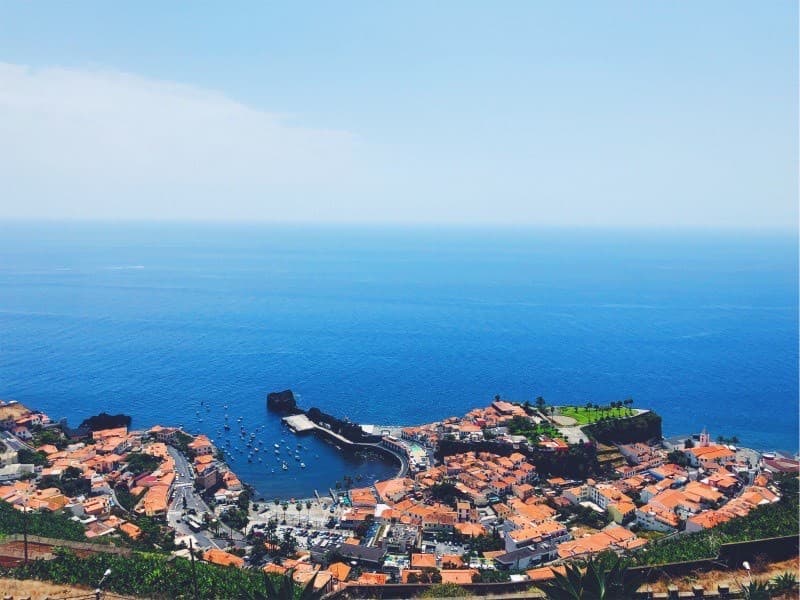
(373, 579)
(363, 496)
(470, 529)
(545, 573)
(458, 576)
(454, 560)
(273, 568)
(131, 530)
(222, 558)
(339, 571)
(419, 561)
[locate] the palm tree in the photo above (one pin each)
(298, 507)
(540, 403)
(285, 507)
(271, 526)
(603, 578)
(308, 510)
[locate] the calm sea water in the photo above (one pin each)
(396, 326)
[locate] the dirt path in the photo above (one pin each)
(38, 590)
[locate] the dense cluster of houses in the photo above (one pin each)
(534, 518)
(98, 461)
(483, 423)
(396, 525)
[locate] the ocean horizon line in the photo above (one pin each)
(384, 225)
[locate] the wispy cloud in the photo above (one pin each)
(105, 143)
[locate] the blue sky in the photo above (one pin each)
(606, 114)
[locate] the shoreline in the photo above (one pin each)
(332, 438)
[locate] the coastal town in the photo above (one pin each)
(471, 503)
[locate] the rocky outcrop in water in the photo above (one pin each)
(282, 402)
(105, 421)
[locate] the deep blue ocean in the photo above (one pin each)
(396, 325)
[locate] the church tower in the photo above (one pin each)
(705, 438)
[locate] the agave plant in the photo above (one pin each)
(784, 585)
(603, 578)
(757, 590)
(287, 589)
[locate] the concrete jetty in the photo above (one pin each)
(299, 423)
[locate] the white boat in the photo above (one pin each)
(302, 465)
(284, 466)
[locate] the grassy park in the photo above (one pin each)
(591, 413)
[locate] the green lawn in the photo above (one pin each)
(585, 416)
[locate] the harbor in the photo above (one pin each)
(300, 423)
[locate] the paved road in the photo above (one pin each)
(13, 443)
(183, 488)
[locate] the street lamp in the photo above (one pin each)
(98, 591)
(746, 566)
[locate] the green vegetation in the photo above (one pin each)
(71, 482)
(488, 542)
(447, 493)
(445, 590)
(586, 516)
(30, 457)
(182, 441)
(605, 577)
(578, 462)
(235, 518)
(784, 585)
(533, 432)
(592, 413)
(125, 498)
(243, 501)
(155, 576)
(757, 590)
(639, 428)
(678, 458)
(771, 520)
(287, 589)
(55, 525)
(139, 463)
(491, 576)
(154, 535)
(721, 439)
(49, 436)
(426, 575)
